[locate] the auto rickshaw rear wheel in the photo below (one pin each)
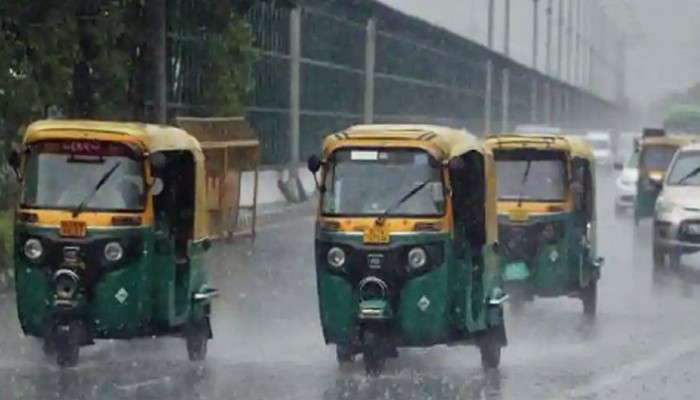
(197, 337)
(373, 353)
(66, 344)
(589, 297)
(490, 351)
(344, 353)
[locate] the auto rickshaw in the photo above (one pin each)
(406, 243)
(656, 150)
(547, 218)
(111, 229)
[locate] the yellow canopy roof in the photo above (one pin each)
(449, 141)
(152, 138)
(574, 145)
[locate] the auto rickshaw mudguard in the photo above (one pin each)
(644, 202)
(422, 316)
(338, 306)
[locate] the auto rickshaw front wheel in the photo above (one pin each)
(373, 353)
(197, 337)
(64, 340)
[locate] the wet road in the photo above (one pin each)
(268, 342)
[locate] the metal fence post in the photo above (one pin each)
(294, 85)
(533, 101)
(505, 100)
(547, 103)
(370, 54)
(488, 97)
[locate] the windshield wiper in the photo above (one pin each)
(522, 183)
(97, 187)
(688, 176)
(403, 199)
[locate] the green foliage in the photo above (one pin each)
(90, 58)
(683, 118)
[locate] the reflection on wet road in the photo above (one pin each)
(268, 342)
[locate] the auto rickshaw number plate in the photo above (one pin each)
(73, 229)
(377, 234)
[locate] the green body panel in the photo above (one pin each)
(455, 303)
(515, 271)
(431, 324)
(150, 280)
(559, 267)
(338, 307)
(644, 202)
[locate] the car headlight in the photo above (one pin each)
(336, 257)
(113, 251)
(33, 249)
(417, 258)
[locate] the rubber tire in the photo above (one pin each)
(590, 300)
(373, 354)
(48, 347)
(196, 338)
(490, 353)
(344, 354)
(67, 346)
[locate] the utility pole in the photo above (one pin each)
(569, 38)
(548, 59)
(489, 38)
(160, 84)
(535, 32)
(577, 43)
(560, 36)
(506, 30)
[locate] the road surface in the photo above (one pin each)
(268, 344)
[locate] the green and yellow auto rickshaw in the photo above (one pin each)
(546, 214)
(406, 242)
(656, 150)
(109, 237)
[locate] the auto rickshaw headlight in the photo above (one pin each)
(336, 257)
(33, 249)
(113, 251)
(417, 258)
(66, 282)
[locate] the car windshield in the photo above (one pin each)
(62, 175)
(685, 169)
(373, 181)
(531, 176)
(657, 158)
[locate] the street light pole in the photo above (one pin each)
(569, 38)
(560, 36)
(535, 32)
(506, 30)
(548, 60)
(489, 38)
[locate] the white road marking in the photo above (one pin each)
(632, 370)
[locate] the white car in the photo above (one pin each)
(602, 147)
(626, 184)
(677, 212)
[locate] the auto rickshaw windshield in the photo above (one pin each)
(526, 175)
(657, 158)
(373, 182)
(65, 174)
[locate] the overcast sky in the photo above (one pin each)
(665, 37)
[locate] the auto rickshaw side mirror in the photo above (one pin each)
(314, 164)
(13, 159)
